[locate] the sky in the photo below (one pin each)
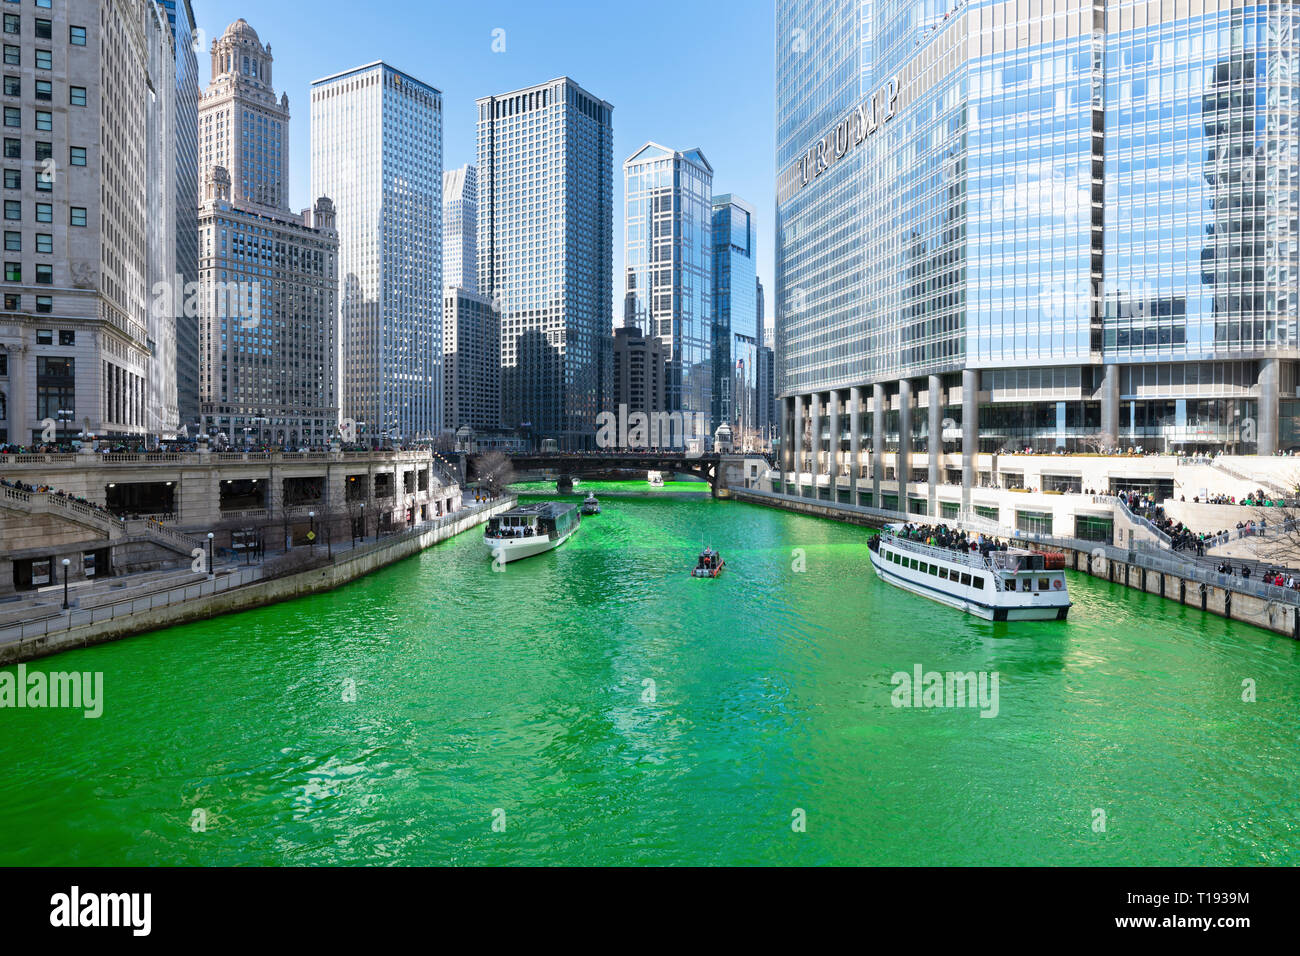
(682, 73)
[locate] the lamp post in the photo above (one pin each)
(211, 570)
(66, 562)
(311, 535)
(363, 522)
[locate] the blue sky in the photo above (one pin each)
(683, 73)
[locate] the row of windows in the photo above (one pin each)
(44, 303)
(13, 86)
(44, 212)
(939, 571)
(44, 29)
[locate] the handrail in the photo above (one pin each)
(973, 560)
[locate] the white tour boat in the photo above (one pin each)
(655, 478)
(529, 530)
(591, 505)
(1010, 585)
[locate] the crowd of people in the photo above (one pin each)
(942, 536)
(1280, 579)
(57, 492)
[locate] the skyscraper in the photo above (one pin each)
(471, 356)
(669, 269)
(460, 229)
(376, 149)
(268, 332)
(180, 15)
(75, 335)
(162, 412)
(545, 252)
(1058, 225)
(736, 338)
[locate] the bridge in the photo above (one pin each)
(568, 466)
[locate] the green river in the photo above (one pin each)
(597, 705)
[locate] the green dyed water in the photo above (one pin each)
(607, 708)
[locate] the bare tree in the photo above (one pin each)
(494, 471)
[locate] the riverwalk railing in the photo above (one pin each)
(236, 578)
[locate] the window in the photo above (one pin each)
(44, 151)
(978, 582)
(13, 209)
(44, 337)
(12, 22)
(44, 182)
(13, 55)
(44, 212)
(45, 243)
(78, 157)
(77, 36)
(13, 272)
(45, 303)
(44, 60)
(44, 90)
(13, 242)
(77, 216)
(67, 337)
(45, 274)
(13, 179)
(12, 304)
(44, 29)
(44, 120)
(13, 149)
(13, 86)
(77, 95)
(13, 116)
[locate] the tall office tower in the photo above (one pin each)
(376, 148)
(1055, 225)
(75, 342)
(736, 338)
(545, 254)
(471, 360)
(640, 372)
(760, 307)
(180, 15)
(268, 326)
(669, 268)
(162, 413)
(460, 229)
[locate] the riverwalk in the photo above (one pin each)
(228, 589)
(1145, 565)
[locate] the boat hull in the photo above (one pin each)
(506, 550)
(1050, 607)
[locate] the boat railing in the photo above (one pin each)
(969, 559)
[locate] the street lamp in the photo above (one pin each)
(363, 522)
(66, 562)
(311, 535)
(211, 570)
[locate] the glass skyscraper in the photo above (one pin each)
(736, 333)
(1060, 225)
(376, 150)
(668, 290)
(545, 253)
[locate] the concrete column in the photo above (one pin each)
(1110, 405)
(815, 426)
(19, 396)
(970, 432)
(936, 439)
(855, 441)
(833, 450)
(785, 440)
(904, 459)
(1266, 425)
(796, 433)
(877, 441)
